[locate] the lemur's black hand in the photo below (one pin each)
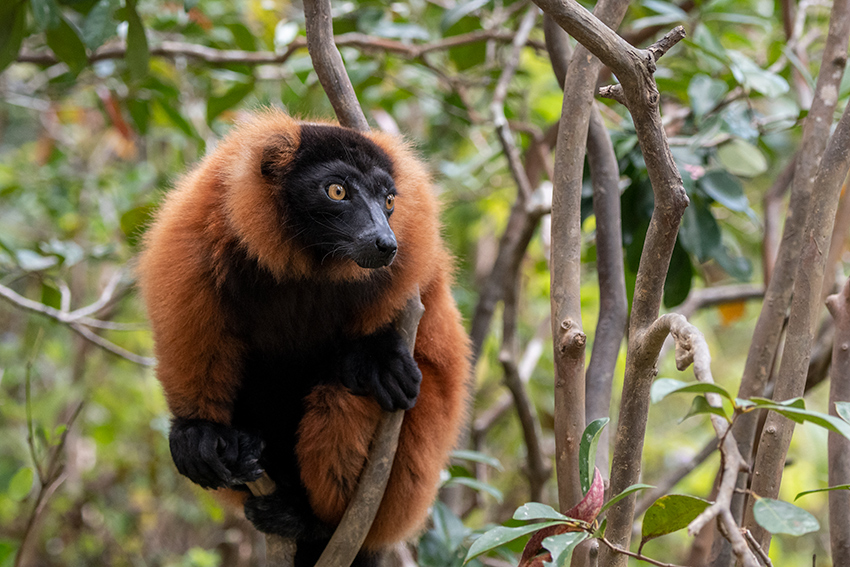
(381, 366)
(214, 455)
(285, 514)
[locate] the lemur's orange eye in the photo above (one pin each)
(336, 192)
(390, 202)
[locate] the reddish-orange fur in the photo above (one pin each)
(224, 201)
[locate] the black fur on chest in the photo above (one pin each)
(291, 317)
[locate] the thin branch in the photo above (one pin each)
(79, 320)
(54, 476)
(838, 241)
(327, 62)
(538, 470)
(638, 556)
(216, 57)
(497, 106)
(754, 545)
(772, 202)
(691, 348)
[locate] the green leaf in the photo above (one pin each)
(828, 489)
(780, 517)
(448, 528)
(587, 451)
(724, 188)
(829, 422)
(705, 93)
(21, 484)
(701, 406)
(99, 25)
(58, 431)
(739, 267)
(699, 233)
(665, 8)
(795, 410)
(751, 76)
(561, 547)
(663, 387)
(630, 490)
(600, 531)
(50, 295)
(472, 54)
(451, 17)
(217, 105)
(45, 14)
(843, 410)
(537, 511)
(137, 55)
(477, 457)
(669, 514)
(177, 119)
(12, 29)
(501, 535)
(677, 284)
(134, 222)
(742, 158)
(478, 485)
(140, 113)
(67, 46)
(30, 261)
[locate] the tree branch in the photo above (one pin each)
(80, 320)
(565, 262)
(220, 57)
(838, 445)
(763, 348)
(634, 68)
(805, 308)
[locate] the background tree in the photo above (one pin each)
(104, 103)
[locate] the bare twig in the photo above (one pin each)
(838, 241)
(640, 557)
(754, 545)
(328, 65)
(80, 320)
(497, 106)
(691, 348)
(213, 56)
(773, 217)
(49, 481)
(538, 470)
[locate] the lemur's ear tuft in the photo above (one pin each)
(277, 156)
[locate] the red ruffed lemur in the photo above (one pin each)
(272, 275)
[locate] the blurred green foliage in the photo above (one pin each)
(88, 147)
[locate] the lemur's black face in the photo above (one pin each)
(338, 197)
